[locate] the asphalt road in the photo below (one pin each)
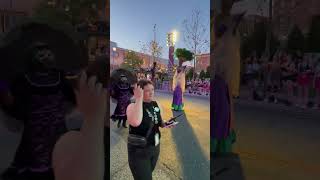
(273, 142)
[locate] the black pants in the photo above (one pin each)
(142, 161)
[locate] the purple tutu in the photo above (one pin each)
(177, 102)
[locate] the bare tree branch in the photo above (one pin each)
(195, 33)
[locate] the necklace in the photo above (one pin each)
(153, 116)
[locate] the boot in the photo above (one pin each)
(119, 123)
(124, 124)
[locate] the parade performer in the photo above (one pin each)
(122, 92)
(178, 86)
(40, 100)
(225, 81)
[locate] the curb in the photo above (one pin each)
(281, 107)
(186, 94)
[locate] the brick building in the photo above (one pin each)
(118, 55)
(287, 13)
(14, 11)
(203, 61)
(247, 25)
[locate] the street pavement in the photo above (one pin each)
(273, 142)
(185, 152)
(184, 149)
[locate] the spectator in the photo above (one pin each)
(289, 73)
(303, 80)
(317, 84)
(275, 77)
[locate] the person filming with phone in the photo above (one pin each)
(145, 118)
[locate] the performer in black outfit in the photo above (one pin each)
(41, 99)
(122, 93)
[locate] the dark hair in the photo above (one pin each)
(143, 82)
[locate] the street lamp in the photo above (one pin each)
(172, 38)
(114, 49)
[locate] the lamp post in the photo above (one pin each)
(114, 50)
(171, 40)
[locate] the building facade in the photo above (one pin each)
(203, 61)
(247, 25)
(287, 13)
(12, 12)
(118, 55)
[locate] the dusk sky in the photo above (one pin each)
(133, 20)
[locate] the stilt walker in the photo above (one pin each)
(178, 86)
(226, 78)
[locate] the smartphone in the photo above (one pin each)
(170, 123)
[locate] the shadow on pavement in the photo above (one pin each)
(226, 167)
(193, 161)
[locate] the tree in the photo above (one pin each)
(314, 35)
(296, 40)
(132, 61)
(202, 75)
(259, 38)
(195, 34)
(72, 12)
(208, 76)
(183, 55)
(256, 42)
(155, 49)
(143, 48)
(208, 72)
(49, 13)
(189, 74)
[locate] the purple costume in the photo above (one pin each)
(221, 109)
(122, 93)
(221, 135)
(177, 102)
(40, 102)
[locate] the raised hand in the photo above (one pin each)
(91, 98)
(137, 92)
